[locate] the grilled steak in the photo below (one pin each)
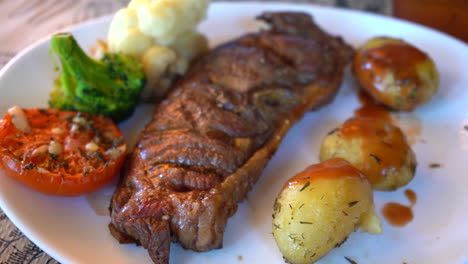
(212, 136)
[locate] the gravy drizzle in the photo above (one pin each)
(370, 109)
(400, 215)
(396, 214)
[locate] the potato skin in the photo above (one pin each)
(395, 73)
(318, 208)
(375, 147)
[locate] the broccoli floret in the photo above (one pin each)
(110, 86)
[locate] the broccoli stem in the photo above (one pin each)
(78, 65)
(66, 80)
(68, 50)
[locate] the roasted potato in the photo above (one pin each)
(376, 147)
(318, 208)
(395, 73)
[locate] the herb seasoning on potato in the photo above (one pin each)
(395, 73)
(318, 208)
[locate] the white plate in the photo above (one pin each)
(71, 231)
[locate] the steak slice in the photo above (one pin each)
(212, 136)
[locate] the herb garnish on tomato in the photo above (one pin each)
(60, 152)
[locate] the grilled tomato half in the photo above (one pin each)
(59, 152)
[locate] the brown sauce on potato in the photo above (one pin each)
(383, 142)
(396, 56)
(400, 59)
(409, 124)
(398, 214)
(370, 108)
(391, 72)
(332, 168)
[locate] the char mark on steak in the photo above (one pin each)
(212, 136)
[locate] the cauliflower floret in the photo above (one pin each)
(158, 19)
(162, 34)
(123, 19)
(189, 44)
(131, 42)
(157, 59)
